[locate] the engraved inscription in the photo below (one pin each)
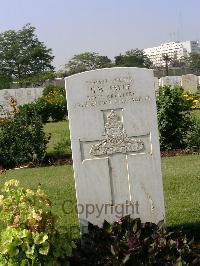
(116, 140)
(105, 92)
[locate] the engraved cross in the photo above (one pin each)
(115, 147)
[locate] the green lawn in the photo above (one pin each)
(181, 176)
(59, 133)
(58, 184)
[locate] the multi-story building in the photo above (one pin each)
(175, 50)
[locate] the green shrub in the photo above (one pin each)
(22, 140)
(129, 242)
(52, 88)
(52, 105)
(174, 119)
(55, 100)
(30, 236)
(193, 137)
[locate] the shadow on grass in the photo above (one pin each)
(190, 229)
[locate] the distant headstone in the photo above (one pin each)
(156, 84)
(198, 82)
(21, 95)
(190, 82)
(170, 81)
(114, 136)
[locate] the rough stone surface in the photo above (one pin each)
(170, 81)
(22, 96)
(156, 84)
(190, 82)
(114, 136)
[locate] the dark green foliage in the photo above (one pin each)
(193, 137)
(87, 61)
(174, 119)
(133, 58)
(22, 140)
(129, 242)
(23, 57)
(5, 82)
(193, 61)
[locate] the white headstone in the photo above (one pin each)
(156, 85)
(21, 95)
(114, 136)
(170, 81)
(190, 82)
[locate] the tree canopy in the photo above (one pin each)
(87, 61)
(23, 56)
(133, 58)
(194, 62)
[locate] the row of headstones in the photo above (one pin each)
(189, 82)
(22, 96)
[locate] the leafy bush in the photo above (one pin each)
(174, 119)
(192, 97)
(52, 105)
(129, 242)
(30, 236)
(193, 137)
(22, 140)
(51, 88)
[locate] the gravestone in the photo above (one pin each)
(190, 82)
(115, 147)
(170, 81)
(156, 85)
(21, 95)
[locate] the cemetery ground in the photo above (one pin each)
(180, 176)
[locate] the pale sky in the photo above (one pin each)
(108, 27)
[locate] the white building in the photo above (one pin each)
(175, 50)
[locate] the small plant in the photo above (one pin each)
(193, 98)
(22, 140)
(129, 242)
(63, 148)
(174, 118)
(30, 236)
(193, 137)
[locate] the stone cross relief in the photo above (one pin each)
(116, 146)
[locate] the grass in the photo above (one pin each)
(181, 176)
(58, 184)
(60, 136)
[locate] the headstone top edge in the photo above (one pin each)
(110, 69)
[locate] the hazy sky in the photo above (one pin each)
(108, 27)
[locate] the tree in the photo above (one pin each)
(23, 56)
(194, 62)
(133, 58)
(87, 61)
(167, 59)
